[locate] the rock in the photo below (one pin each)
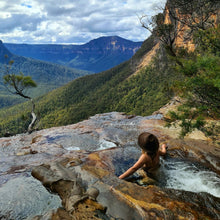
(93, 193)
(24, 197)
(82, 162)
(144, 178)
(145, 202)
(68, 184)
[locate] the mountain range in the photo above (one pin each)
(138, 86)
(48, 76)
(52, 66)
(97, 55)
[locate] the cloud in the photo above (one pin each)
(49, 21)
(23, 22)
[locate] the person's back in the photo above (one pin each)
(151, 164)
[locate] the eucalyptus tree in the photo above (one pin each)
(18, 84)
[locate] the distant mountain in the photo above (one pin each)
(139, 86)
(96, 56)
(48, 76)
(4, 52)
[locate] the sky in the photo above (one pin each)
(73, 21)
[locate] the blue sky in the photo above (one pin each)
(73, 21)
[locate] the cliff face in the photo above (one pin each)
(183, 20)
(188, 17)
(97, 55)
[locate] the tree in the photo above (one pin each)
(196, 14)
(194, 22)
(18, 84)
(167, 33)
(179, 20)
(200, 87)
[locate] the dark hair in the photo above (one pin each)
(148, 143)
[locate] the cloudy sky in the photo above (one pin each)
(73, 21)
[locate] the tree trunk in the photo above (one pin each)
(34, 117)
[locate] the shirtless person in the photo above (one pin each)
(149, 159)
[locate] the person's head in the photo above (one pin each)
(148, 143)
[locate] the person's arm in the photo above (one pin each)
(141, 161)
(163, 149)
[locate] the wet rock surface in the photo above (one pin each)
(76, 200)
(24, 197)
(77, 167)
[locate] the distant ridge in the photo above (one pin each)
(4, 52)
(97, 55)
(48, 76)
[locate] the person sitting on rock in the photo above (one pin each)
(149, 159)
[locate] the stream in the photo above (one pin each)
(189, 176)
(176, 173)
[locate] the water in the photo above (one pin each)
(113, 130)
(174, 173)
(185, 175)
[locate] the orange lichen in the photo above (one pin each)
(96, 171)
(35, 139)
(94, 156)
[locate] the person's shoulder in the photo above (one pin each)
(145, 157)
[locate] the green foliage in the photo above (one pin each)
(208, 40)
(200, 87)
(118, 90)
(189, 119)
(142, 94)
(8, 100)
(19, 82)
(48, 76)
(113, 90)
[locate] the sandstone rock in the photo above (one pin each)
(93, 193)
(71, 160)
(76, 200)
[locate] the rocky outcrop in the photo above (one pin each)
(119, 198)
(80, 163)
(76, 201)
